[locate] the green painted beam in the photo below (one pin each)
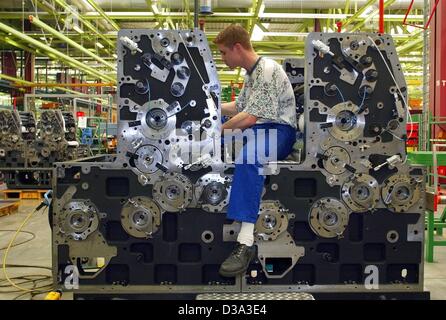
(18, 82)
(347, 7)
(358, 13)
(371, 15)
(53, 52)
(218, 16)
(74, 44)
(426, 158)
(60, 17)
(256, 6)
(410, 45)
(102, 13)
(16, 44)
(87, 24)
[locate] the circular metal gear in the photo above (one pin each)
(164, 42)
(272, 220)
(141, 217)
(156, 122)
(328, 217)
(45, 152)
(142, 86)
(173, 192)
(212, 192)
(361, 193)
(177, 58)
(156, 118)
(147, 158)
(335, 159)
(401, 192)
(348, 125)
(79, 219)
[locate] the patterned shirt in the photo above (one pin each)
(267, 94)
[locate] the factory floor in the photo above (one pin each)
(37, 252)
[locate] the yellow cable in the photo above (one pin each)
(7, 252)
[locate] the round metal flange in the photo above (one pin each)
(164, 42)
(348, 125)
(156, 118)
(142, 86)
(272, 220)
(173, 192)
(141, 217)
(361, 193)
(79, 219)
(207, 236)
(401, 192)
(45, 152)
(392, 236)
(147, 158)
(328, 217)
(156, 121)
(177, 58)
(335, 160)
(212, 192)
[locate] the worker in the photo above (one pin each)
(266, 104)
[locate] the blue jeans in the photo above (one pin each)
(247, 184)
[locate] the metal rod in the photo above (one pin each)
(196, 4)
(381, 16)
(87, 24)
(53, 52)
(49, 84)
(102, 13)
(36, 21)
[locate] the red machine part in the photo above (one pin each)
(417, 25)
(381, 16)
(442, 172)
(437, 69)
(412, 134)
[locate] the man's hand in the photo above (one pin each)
(241, 120)
(228, 109)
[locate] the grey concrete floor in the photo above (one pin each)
(38, 252)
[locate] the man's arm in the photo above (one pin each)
(228, 109)
(241, 120)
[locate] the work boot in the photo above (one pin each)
(238, 261)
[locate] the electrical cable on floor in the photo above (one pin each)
(42, 289)
(20, 243)
(32, 278)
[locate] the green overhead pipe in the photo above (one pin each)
(357, 13)
(257, 5)
(218, 16)
(28, 83)
(102, 13)
(36, 21)
(74, 63)
(409, 45)
(15, 80)
(59, 15)
(347, 7)
(371, 15)
(64, 5)
(17, 44)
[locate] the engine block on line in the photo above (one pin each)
(28, 148)
(348, 218)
